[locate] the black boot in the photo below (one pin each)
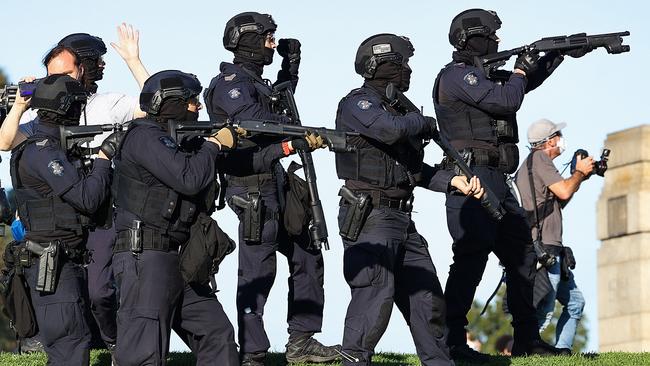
(464, 353)
(253, 359)
(534, 347)
(305, 348)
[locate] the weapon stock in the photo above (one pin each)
(489, 200)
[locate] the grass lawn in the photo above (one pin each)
(103, 358)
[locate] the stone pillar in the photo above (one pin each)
(624, 255)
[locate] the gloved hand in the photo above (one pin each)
(227, 137)
(310, 142)
(289, 48)
(527, 62)
(111, 144)
(432, 126)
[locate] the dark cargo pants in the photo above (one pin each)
(475, 235)
(390, 263)
(256, 274)
(101, 283)
(63, 316)
(154, 300)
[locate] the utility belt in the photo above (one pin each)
(254, 180)
(360, 203)
(138, 238)
(475, 157)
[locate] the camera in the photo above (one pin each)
(600, 167)
(544, 258)
(7, 99)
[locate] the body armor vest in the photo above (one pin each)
(157, 205)
(45, 217)
(380, 165)
(468, 127)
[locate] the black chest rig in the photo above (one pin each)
(44, 215)
(378, 164)
(469, 128)
(139, 192)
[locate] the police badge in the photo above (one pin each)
(56, 167)
(234, 93)
(168, 142)
(471, 79)
(364, 105)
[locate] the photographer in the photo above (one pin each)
(540, 182)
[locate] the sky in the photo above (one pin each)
(595, 95)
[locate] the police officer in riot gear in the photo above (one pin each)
(56, 201)
(477, 115)
(158, 189)
(239, 92)
(386, 260)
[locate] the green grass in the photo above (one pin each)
(102, 358)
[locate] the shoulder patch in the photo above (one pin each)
(41, 143)
(168, 142)
(364, 104)
(471, 79)
(56, 167)
(234, 93)
(229, 77)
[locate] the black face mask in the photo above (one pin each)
(405, 80)
(268, 55)
(251, 50)
(391, 72)
(91, 74)
(175, 109)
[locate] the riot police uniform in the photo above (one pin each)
(388, 262)
(237, 93)
(158, 196)
(477, 115)
(56, 201)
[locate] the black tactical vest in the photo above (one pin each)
(45, 217)
(466, 126)
(155, 204)
(380, 165)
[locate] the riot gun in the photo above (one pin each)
(335, 140)
(611, 42)
(489, 200)
(73, 137)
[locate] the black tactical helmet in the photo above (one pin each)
(381, 48)
(84, 45)
(57, 93)
(246, 22)
(472, 22)
(165, 84)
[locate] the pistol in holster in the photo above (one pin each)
(48, 266)
(252, 209)
(360, 205)
(135, 237)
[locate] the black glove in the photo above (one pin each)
(527, 62)
(432, 126)
(112, 143)
(289, 48)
